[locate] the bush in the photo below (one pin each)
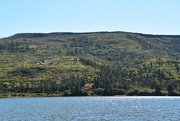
(98, 91)
(67, 93)
(140, 92)
(164, 93)
(145, 92)
(132, 92)
(118, 91)
(80, 92)
(175, 93)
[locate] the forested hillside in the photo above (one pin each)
(99, 63)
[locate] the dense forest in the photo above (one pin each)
(82, 64)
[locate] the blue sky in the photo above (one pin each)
(142, 16)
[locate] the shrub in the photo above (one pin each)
(98, 91)
(132, 92)
(118, 91)
(145, 92)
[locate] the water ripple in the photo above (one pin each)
(90, 109)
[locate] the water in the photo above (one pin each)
(90, 109)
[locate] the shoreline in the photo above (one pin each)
(30, 95)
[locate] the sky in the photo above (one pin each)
(45, 16)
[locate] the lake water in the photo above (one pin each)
(114, 108)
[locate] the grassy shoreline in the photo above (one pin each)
(26, 95)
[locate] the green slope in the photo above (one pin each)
(99, 63)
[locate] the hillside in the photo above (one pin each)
(97, 63)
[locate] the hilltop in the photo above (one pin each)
(94, 63)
